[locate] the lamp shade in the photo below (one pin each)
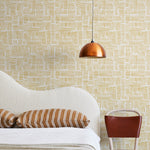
(92, 50)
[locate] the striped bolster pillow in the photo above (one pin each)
(52, 118)
(7, 119)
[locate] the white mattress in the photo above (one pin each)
(49, 138)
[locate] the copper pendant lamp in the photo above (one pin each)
(92, 50)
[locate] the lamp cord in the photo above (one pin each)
(92, 19)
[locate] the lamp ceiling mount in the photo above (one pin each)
(93, 50)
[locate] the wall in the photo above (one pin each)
(40, 41)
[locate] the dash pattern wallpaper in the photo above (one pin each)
(40, 41)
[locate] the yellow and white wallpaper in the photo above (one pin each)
(40, 41)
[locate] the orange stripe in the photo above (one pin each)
(27, 119)
(85, 121)
(33, 119)
(61, 117)
(78, 119)
(44, 118)
(3, 118)
(21, 120)
(50, 118)
(67, 118)
(73, 119)
(56, 117)
(0, 116)
(10, 122)
(39, 118)
(1, 111)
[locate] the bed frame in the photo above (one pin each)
(17, 99)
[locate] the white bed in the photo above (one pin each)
(17, 99)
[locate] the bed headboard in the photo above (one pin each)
(17, 99)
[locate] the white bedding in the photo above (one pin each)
(49, 138)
